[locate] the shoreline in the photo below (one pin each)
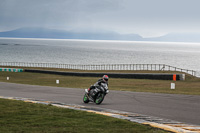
(90, 40)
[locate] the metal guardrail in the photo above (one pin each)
(137, 67)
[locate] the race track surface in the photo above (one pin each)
(182, 108)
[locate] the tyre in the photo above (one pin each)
(99, 98)
(85, 99)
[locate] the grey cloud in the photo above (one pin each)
(119, 15)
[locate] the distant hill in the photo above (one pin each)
(100, 35)
(177, 37)
(62, 34)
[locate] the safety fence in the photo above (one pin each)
(11, 70)
(136, 67)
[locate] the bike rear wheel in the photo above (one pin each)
(99, 99)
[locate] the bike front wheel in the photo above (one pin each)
(85, 99)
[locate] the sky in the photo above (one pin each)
(148, 18)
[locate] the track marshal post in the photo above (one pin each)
(173, 84)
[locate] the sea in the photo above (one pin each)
(67, 51)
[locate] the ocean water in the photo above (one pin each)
(183, 55)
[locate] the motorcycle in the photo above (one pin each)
(96, 94)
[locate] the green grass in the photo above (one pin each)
(18, 116)
(191, 86)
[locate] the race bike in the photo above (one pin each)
(96, 94)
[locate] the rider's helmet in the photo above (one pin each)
(105, 78)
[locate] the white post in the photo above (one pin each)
(172, 85)
(7, 78)
(57, 81)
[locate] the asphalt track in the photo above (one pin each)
(182, 108)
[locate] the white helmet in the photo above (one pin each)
(105, 78)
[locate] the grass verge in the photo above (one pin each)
(18, 116)
(191, 86)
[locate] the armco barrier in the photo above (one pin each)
(11, 70)
(156, 76)
(135, 67)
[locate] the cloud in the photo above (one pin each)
(152, 17)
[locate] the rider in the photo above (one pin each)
(103, 80)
